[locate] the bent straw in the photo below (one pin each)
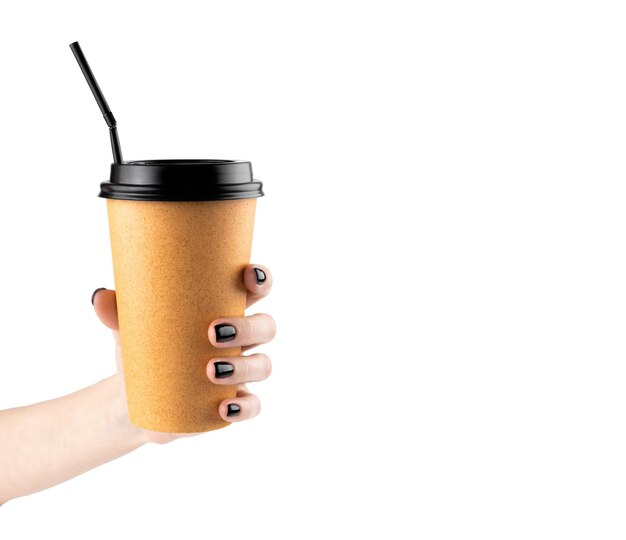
(102, 103)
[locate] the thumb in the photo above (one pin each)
(104, 303)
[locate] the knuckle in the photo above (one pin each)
(244, 370)
(266, 366)
(245, 327)
(256, 406)
(270, 324)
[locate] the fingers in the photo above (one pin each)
(239, 369)
(105, 304)
(242, 407)
(258, 281)
(242, 331)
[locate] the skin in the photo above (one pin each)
(44, 444)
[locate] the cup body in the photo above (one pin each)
(178, 265)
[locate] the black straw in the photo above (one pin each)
(102, 103)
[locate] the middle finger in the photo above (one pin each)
(242, 331)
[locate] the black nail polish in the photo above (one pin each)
(260, 276)
(233, 409)
(223, 370)
(225, 332)
(96, 292)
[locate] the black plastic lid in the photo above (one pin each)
(181, 180)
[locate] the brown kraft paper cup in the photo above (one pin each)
(178, 266)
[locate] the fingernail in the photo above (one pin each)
(96, 292)
(233, 409)
(223, 370)
(260, 276)
(225, 332)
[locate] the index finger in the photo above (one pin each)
(258, 281)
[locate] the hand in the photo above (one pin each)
(250, 332)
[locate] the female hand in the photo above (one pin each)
(249, 332)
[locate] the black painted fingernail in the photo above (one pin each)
(225, 332)
(233, 409)
(96, 292)
(223, 370)
(260, 276)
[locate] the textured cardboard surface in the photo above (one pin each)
(178, 266)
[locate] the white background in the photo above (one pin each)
(445, 220)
